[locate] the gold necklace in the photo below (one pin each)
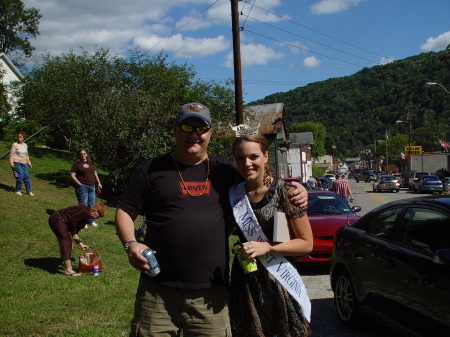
(184, 184)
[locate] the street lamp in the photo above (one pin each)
(334, 156)
(436, 83)
(387, 157)
(410, 134)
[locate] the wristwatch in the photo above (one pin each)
(125, 246)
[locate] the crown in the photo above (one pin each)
(246, 129)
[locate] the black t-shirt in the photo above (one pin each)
(188, 233)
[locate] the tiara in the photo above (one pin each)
(246, 129)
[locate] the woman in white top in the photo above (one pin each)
(19, 162)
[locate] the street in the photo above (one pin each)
(324, 321)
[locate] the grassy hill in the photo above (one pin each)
(37, 299)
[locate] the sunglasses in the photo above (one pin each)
(199, 129)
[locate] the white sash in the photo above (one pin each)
(275, 264)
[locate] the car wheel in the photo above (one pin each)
(345, 300)
(398, 190)
(379, 190)
(357, 180)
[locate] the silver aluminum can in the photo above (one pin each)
(152, 263)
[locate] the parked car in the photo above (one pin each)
(365, 176)
(428, 183)
(326, 183)
(405, 177)
(351, 175)
(327, 212)
(298, 180)
(386, 183)
(394, 265)
(415, 176)
(332, 177)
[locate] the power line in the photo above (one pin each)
(321, 44)
(316, 31)
(310, 51)
(176, 30)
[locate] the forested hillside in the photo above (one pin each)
(356, 110)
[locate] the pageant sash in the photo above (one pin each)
(275, 264)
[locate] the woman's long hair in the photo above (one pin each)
(88, 159)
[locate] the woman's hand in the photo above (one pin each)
(253, 248)
(83, 246)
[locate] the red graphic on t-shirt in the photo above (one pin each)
(195, 187)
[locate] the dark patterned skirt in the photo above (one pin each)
(261, 307)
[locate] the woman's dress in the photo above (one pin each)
(260, 306)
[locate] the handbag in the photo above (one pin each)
(88, 260)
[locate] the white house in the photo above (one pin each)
(299, 155)
(9, 74)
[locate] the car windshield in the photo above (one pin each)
(387, 178)
(326, 203)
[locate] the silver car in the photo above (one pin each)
(428, 183)
(386, 183)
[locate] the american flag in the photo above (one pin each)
(443, 144)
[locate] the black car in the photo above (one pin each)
(393, 264)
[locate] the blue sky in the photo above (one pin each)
(284, 43)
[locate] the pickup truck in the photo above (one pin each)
(365, 176)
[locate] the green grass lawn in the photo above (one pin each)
(36, 298)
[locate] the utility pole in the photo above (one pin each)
(239, 105)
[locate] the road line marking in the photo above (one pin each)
(373, 195)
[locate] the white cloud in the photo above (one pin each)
(386, 60)
(185, 47)
(436, 44)
(333, 6)
(253, 54)
(311, 62)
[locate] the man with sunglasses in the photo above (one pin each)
(184, 196)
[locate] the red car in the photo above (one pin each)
(327, 212)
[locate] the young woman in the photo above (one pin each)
(19, 162)
(66, 223)
(85, 176)
(262, 304)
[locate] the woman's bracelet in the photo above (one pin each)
(78, 241)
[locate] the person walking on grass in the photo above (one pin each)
(20, 162)
(184, 197)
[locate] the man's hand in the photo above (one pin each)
(299, 196)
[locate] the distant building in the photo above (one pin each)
(272, 126)
(9, 75)
(299, 155)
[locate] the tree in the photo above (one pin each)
(17, 25)
(319, 135)
(120, 110)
